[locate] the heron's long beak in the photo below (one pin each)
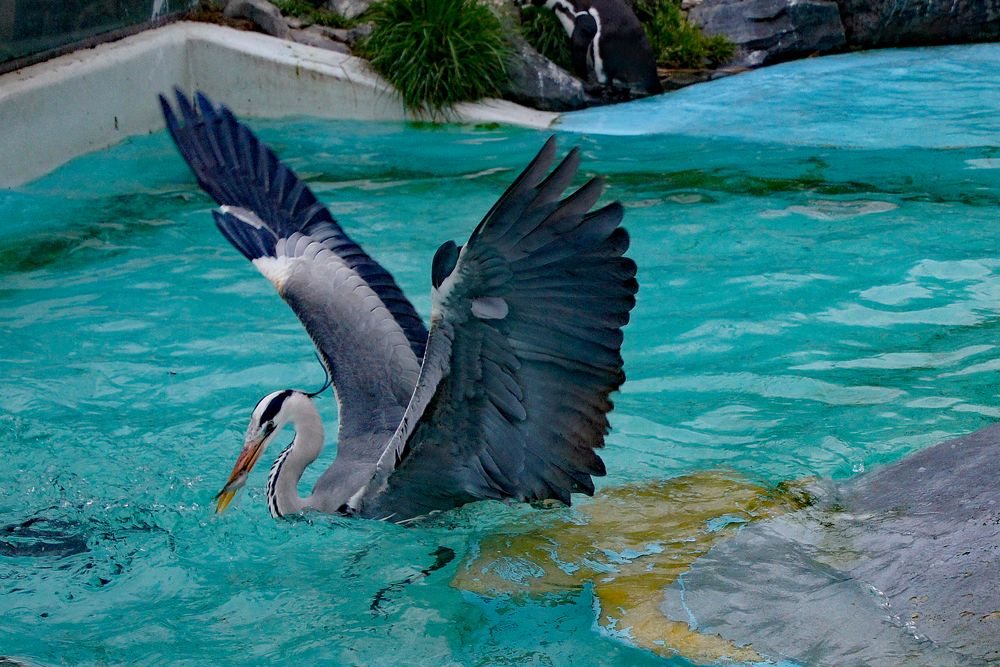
(241, 471)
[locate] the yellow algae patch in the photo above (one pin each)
(629, 543)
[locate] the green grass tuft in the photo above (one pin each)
(676, 42)
(544, 32)
(437, 52)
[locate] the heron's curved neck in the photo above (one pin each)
(283, 481)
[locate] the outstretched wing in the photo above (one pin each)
(524, 351)
(237, 170)
(367, 333)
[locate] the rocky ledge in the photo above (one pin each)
(770, 31)
(764, 32)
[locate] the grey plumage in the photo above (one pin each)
(512, 396)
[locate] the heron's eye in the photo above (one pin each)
(267, 426)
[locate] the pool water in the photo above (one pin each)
(807, 308)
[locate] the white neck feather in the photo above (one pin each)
(283, 481)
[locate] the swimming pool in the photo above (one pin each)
(806, 308)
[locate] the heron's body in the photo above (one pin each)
(505, 398)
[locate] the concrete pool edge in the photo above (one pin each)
(93, 98)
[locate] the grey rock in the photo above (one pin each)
(896, 567)
(316, 38)
(767, 31)
(878, 23)
(349, 9)
(336, 34)
(358, 32)
(263, 14)
(536, 81)
(533, 79)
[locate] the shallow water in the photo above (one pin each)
(804, 310)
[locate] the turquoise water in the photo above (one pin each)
(805, 309)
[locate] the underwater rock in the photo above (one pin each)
(628, 543)
(879, 23)
(896, 567)
(263, 14)
(767, 31)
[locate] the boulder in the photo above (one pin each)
(349, 9)
(263, 14)
(358, 33)
(767, 31)
(879, 23)
(533, 79)
(316, 36)
(537, 82)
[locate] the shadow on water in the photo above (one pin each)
(42, 537)
(88, 229)
(93, 551)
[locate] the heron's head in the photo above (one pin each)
(270, 415)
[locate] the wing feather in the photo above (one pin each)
(238, 170)
(523, 354)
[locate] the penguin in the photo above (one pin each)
(608, 44)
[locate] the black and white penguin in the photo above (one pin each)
(608, 44)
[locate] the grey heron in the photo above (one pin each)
(506, 398)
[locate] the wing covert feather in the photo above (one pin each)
(523, 353)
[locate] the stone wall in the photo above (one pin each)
(880, 23)
(769, 31)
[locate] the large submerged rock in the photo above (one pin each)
(767, 31)
(898, 567)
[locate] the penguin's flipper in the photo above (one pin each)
(584, 32)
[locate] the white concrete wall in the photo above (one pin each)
(92, 99)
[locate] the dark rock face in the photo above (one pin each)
(767, 31)
(536, 81)
(878, 23)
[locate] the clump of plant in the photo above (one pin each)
(677, 43)
(437, 53)
(313, 12)
(544, 32)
